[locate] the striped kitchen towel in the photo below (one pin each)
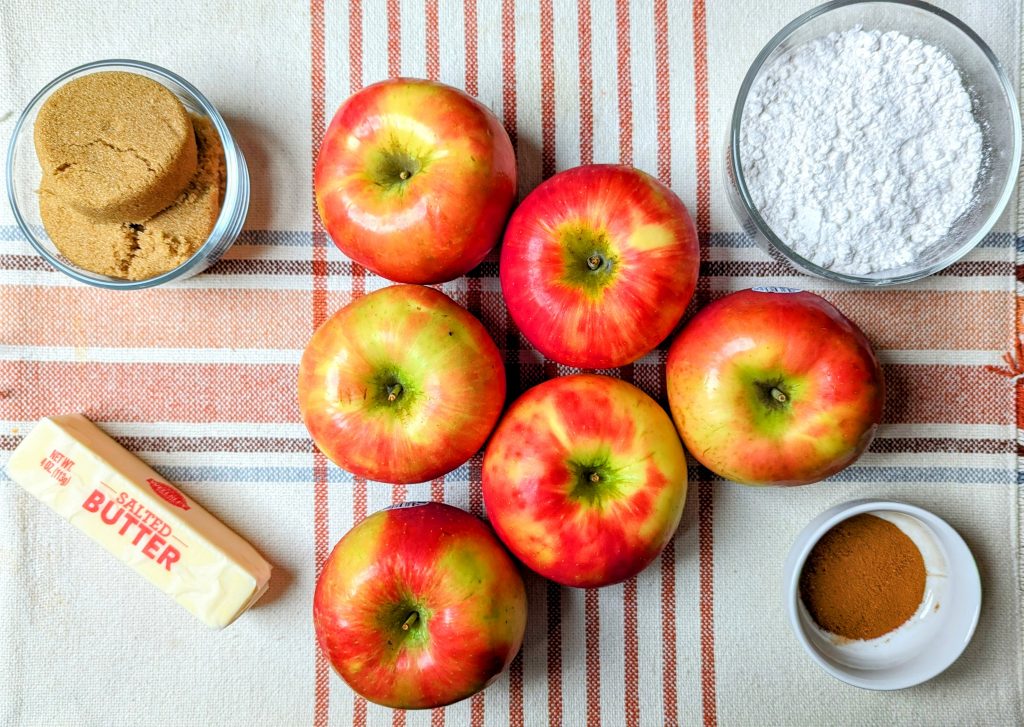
(199, 379)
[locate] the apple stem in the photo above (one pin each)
(594, 477)
(404, 174)
(393, 391)
(594, 261)
(410, 621)
(778, 395)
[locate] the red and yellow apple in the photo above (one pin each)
(415, 180)
(598, 264)
(402, 385)
(419, 606)
(773, 386)
(585, 480)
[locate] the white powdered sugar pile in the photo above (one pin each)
(860, 149)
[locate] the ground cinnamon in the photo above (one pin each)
(864, 578)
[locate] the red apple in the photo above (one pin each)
(585, 480)
(401, 385)
(598, 265)
(419, 606)
(415, 180)
(773, 386)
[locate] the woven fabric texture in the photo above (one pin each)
(199, 379)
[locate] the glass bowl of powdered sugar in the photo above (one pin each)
(873, 143)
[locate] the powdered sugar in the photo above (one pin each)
(860, 149)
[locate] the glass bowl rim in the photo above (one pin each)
(736, 167)
(231, 186)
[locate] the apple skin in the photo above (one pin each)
(438, 362)
(445, 214)
(442, 564)
(723, 366)
(598, 265)
(538, 482)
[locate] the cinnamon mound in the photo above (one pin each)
(863, 579)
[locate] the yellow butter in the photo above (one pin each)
(90, 480)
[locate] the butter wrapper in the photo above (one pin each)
(83, 475)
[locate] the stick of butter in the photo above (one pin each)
(116, 499)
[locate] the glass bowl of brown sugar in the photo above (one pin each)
(882, 595)
(25, 177)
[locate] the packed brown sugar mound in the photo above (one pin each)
(141, 249)
(115, 144)
(136, 165)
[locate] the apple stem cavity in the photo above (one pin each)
(410, 620)
(778, 395)
(392, 168)
(588, 257)
(594, 481)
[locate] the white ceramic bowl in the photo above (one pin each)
(931, 640)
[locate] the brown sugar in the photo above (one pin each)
(863, 579)
(141, 248)
(115, 145)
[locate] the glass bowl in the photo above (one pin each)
(24, 174)
(994, 106)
